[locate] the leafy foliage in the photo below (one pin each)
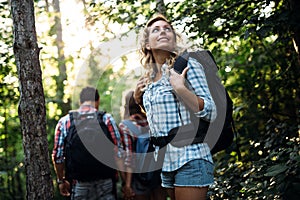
(11, 157)
(252, 42)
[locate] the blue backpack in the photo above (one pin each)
(142, 135)
(145, 163)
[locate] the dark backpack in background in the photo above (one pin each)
(216, 140)
(83, 134)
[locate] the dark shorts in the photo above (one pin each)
(141, 188)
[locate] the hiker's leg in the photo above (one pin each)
(168, 179)
(191, 193)
(142, 197)
(171, 193)
(193, 179)
(159, 193)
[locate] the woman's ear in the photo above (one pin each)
(148, 46)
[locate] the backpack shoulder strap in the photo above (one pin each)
(181, 62)
(72, 115)
(205, 57)
(100, 115)
(132, 127)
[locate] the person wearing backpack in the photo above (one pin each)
(134, 127)
(176, 101)
(80, 173)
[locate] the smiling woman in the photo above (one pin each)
(162, 37)
(168, 101)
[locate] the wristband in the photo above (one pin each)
(60, 181)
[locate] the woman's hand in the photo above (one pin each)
(178, 80)
(139, 89)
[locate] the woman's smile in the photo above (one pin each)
(161, 36)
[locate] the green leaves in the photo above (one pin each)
(252, 42)
(276, 170)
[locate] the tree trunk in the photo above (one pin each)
(161, 7)
(61, 60)
(32, 111)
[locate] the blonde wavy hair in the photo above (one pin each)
(147, 58)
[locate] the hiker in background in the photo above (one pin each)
(168, 100)
(133, 188)
(92, 181)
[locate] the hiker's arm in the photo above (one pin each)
(127, 173)
(60, 171)
(194, 102)
(195, 94)
(115, 134)
(58, 158)
(63, 185)
(127, 189)
(139, 90)
(120, 166)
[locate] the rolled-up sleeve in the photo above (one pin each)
(59, 138)
(114, 131)
(128, 144)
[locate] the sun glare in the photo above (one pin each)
(77, 37)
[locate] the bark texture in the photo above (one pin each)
(32, 111)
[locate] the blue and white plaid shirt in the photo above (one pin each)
(163, 114)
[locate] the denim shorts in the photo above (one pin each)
(195, 173)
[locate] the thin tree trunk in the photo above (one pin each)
(61, 60)
(161, 7)
(32, 111)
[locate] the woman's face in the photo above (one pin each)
(161, 37)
